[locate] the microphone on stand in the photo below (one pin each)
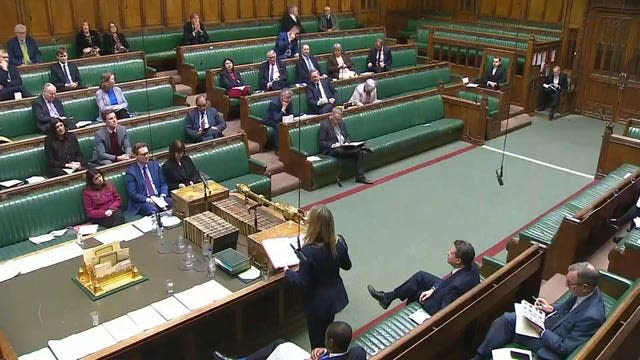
(499, 176)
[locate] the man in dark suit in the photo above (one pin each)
(278, 107)
(431, 291)
(328, 21)
(111, 142)
(204, 122)
(273, 73)
(145, 184)
(495, 77)
(333, 135)
(291, 19)
(567, 325)
(48, 108)
(194, 31)
(380, 58)
(65, 75)
(337, 340)
(306, 63)
(321, 95)
(10, 80)
(287, 44)
(554, 84)
(23, 49)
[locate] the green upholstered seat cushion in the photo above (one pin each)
(631, 241)
(633, 132)
(259, 184)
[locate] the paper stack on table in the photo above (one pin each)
(170, 308)
(82, 344)
(146, 318)
(119, 233)
(122, 328)
(42, 354)
(48, 257)
(203, 294)
(9, 270)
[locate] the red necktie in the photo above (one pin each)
(147, 182)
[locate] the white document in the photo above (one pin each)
(93, 340)
(170, 308)
(88, 229)
(42, 354)
(120, 233)
(546, 86)
(505, 353)
(67, 170)
(313, 158)
(472, 85)
(83, 123)
(202, 295)
(420, 316)
(465, 80)
(144, 224)
(638, 202)
(9, 270)
(57, 233)
(534, 315)
(251, 274)
(215, 290)
(239, 87)
(353, 144)
(170, 220)
(48, 257)
(636, 222)
(35, 179)
(287, 119)
(626, 176)
(146, 318)
(10, 183)
(41, 238)
(159, 200)
(289, 351)
(523, 326)
(65, 349)
(122, 328)
(280, 252)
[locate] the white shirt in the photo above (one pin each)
(276, 73)
(339, 135)
(322, 94)
(360, 97)
(203, 116)
(67, 73)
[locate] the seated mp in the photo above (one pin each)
(88, 42)
(339, 64)
(110, 97)
(336, 347)
(145, 182)
(179, 170)
(111, 142)
(278, 107)
(272, 74)
(364, 94)
(232, 80)
(556, 83)
(328, 21)
(291, 19)
(306, 63)
(432, 292)
(113, 41)
(101, 200)
(321, 95)
(64, 74)
(333, 135)
(23, 49)
(47, 108)
(62, 150)
(380, 58)
(287, 44)
(10, 81)
(495, 77)
(567, 325)
(204, 122)
(194, 32)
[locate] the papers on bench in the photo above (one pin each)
(289, 351)
(122, 328)
(9, 270)
(201, 295)
(313, 158)
(120, 233)
(87, 229)
(10, 183)
(170, 308)
(510, 354)
(420, 316)
(35, 179)
(82, 344)
(351, 145)
(48, 257)
(47, 237)
(526, 314)
(146, 318)
(472, 85)
(42, 354)
(83, 123)
(280, 252)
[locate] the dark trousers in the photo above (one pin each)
(632, 213)
(379, 69)
(549, 94)
(7, 93)
(317, 324)
(357, 154)
(278, 85)
(152, 208)
(122, 114)
(324, 109)
(117, 218)
(502, 332)
(264, 352)
(416, 284)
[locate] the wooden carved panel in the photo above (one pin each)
(152, 12)
(36, 17)
(173, 13)
(11, 17)
(62, 12)
(109, 10)
(132, 14)
(85, 11)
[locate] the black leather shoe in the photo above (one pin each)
(379, 295)
(612, 223)
(364, 180)
(219, 356)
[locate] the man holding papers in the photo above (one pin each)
(334, 141)
(567, 325)
(431, 291)
(147, 189)
(554, 84)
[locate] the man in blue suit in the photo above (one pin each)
(145, 182)
(287, 44)
(567, 325)
(278, 107)
(431, 291)
(306, 63)
(321, 95)
(204, 122)
(23, 49)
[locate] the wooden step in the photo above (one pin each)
(283, 183)
(274, 165)
(515, 123)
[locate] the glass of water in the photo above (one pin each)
(169, 286)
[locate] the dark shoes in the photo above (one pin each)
(613, 224)
(383, 300)
(551, 116)
(364, 180)
(219, 356)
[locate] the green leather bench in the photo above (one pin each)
(34, 214)
(386, 88)
(20, 123)
(421, 125)
(471, 96)
(624, 257)
(633, 132)
(48, 51)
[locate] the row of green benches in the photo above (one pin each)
(484, 25)
(59, 204)
(161, 46)
(18, 122)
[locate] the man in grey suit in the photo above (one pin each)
(204, 122)
(328, 21)
(112, 142)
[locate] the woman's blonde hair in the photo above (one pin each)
(321, 229)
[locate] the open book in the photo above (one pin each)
(352, 145)
(526, 315)
(280, 252)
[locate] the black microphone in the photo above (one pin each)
(499, 176)
(206, 186)
(298, 251)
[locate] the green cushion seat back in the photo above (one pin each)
(633, 132)
(149, 99)
(23, 164)
(212, 58)
(307, 138)
(17, 122)
(81, 108)
(154, 42)
(160, 135)
(229, 33)
(125, 70)
(224, 162)
(49, 50)
(34, 81)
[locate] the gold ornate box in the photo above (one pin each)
(189, 200)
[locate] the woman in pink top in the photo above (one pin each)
(101, 200)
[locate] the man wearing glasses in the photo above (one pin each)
(328, 21)
(23, 49)
(146, 186)
(567, 325)
(10, 80)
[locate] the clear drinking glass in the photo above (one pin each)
(169, 286)
(95, 317)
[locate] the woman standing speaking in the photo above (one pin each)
(319, 274)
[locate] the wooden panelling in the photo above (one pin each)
(173, 13)
(306, 7)
(62, 13)
(553, 11)
(247, 9)
(152, 12)
(279, 7)
(503, 8)
(36, 17)
(108, 10)
(487, 7)
(11, 17)
(518, 8)
(578, 13)
(84, 11)
(231, 10)
(132, 14)
(262, 9)
(210, 10)
(536, 10)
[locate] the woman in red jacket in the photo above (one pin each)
(101, 200)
